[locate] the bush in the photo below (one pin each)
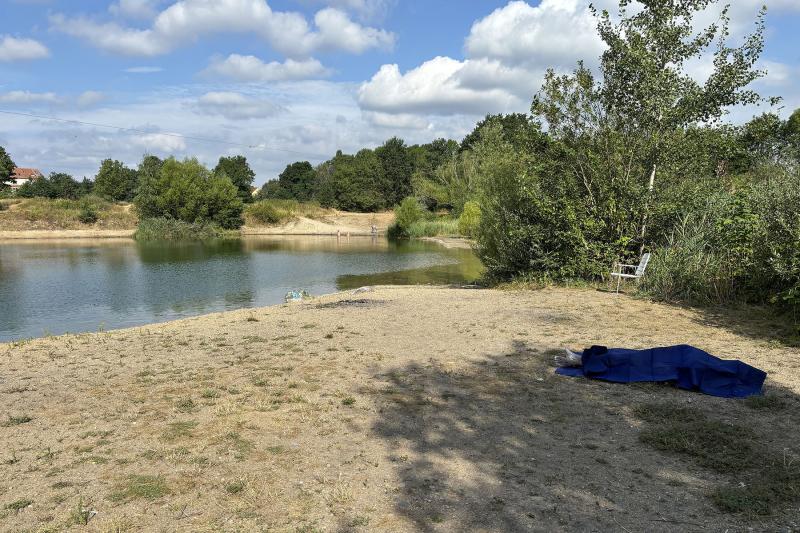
(167, 229)
(406, 214)
(87, 215)
(271, 211)
(470, 219)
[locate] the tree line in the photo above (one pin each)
(635, 156)
(180, 190)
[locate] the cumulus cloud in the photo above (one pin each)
(236, 106)
(27, 97)
(433, 87)
(186, 21)
(251, 68)
(20, 49)
(507, 52)
(555, 32)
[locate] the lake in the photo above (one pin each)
(56, 287)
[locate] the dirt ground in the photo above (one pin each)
(398, 409)
(328, 224)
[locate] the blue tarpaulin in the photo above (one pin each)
(688, 367)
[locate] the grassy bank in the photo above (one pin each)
(325, 416)
(90, 212)
(275, 212)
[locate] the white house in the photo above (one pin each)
(21, 176)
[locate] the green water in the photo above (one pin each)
(54, 287)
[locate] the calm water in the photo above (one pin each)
(67, 286)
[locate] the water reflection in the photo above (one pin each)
(74, 286)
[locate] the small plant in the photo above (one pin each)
(252, 319)
(235, 487)
(16, 420)
(139, 487)
(209, 394)
(348, 400)
(186, 405)
(177, 430)
(80, 515)
(19, 504)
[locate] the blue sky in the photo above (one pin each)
(280, 80)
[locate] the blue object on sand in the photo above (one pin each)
(688, 367)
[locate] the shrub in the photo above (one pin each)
(470, 219)
(88, 212)
(271, 211)
(433, 228)
(406, 214)
(167, 229)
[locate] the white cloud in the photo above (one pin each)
(251, 68)
(365, 9)
(236, 106)
(337, 31)
(90, 98)
(20, 49)
(160, 143)
(188, 20)
(507, 52)
(143, 70)
(403, 122)
(27, 97)
(554, 33)
(432, 88)
(142, 9)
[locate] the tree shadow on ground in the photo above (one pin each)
(503, 444)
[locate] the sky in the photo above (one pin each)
(286, 80)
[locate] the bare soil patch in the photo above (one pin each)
(436, 410)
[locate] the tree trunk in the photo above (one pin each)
(650, 188)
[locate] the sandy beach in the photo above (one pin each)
(396, 409)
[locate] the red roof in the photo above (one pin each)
(26, 173)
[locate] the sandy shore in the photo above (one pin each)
(343, 223)
(398, 409)
(66, 234)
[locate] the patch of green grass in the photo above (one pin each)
(440, 227)
(16, 420)
(235, 487)
(185, 405)
(19, 504)
(348, 400)
(139, 487)
(209, 394)
(177, 430)
(762, 479)
(725, 448)
(766, 402)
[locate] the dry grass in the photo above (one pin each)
(46, 214)
(431, 409)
